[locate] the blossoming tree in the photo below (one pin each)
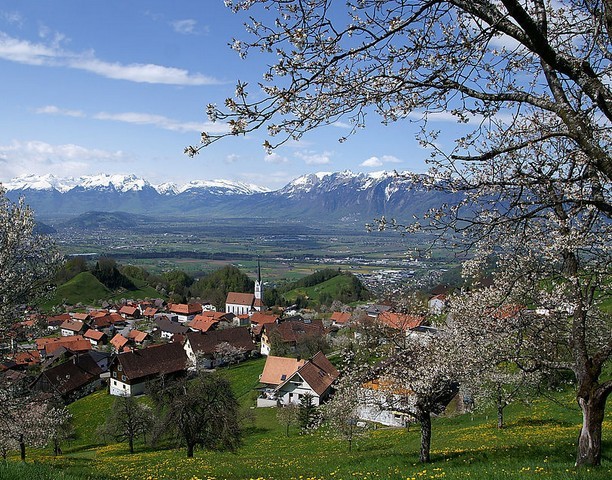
(529, 81)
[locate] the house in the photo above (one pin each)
(149, 312)
(340, 319)
(437, 303)
(130, 371)
(95, 337)
(314, 377)
(25, 359)
(379, 403)
(49, 347)
(374, 310)
(138, 337)
(401, 321)
(185, 312)
(129, 312)
(83, 317)
(118, 342)
(218, 347)
(291, 333)
(167, 328)
(204, 322)
(77, 377)
(72, 327)
(54, 322)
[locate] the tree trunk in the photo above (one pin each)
(131, 444)
(190, 450)
(589, 441)
(22, 447)
(500, 412)
(425, 421)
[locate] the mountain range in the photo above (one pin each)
(344, 196)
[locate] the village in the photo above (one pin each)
(122, 348)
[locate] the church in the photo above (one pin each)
(246, 303)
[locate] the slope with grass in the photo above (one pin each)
(343, 287)
(85, 288)
(539, 442)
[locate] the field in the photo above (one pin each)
(539, 442)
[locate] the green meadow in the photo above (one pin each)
(539, 442)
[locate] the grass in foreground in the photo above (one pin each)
(539, 442)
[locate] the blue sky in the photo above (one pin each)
(111, 86)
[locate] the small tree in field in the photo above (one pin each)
(127, 420)
(288, 415)
(202, 412)
(341, 413)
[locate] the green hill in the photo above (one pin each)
(344, 287)
(86, 288)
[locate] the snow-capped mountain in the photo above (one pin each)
(323, 196)
(127, 183)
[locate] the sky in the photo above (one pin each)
(107, 86)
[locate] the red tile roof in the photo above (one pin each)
(203, 323)
(118, 341)
(278, 369)
(340, 317)
(261, 318)
(94, 335)
(185, 308)
(138, 336)
(401, 321)
(236, 298)
(72, 325)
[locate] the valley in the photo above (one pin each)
(287, 250)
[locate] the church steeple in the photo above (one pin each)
(258, 283)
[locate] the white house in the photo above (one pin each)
(130, 371)
(314, 377)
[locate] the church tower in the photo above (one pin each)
(258, 286)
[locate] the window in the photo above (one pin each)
(114, 374)
(120, 367)
(123, 378)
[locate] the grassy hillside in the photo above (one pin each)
(334, 288)
(83, 288)
(539, 442)
(86, 288)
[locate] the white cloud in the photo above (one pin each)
(53, 110)
(19, 158)
(14, 18)
(231, 158)
(138, 118)
(52, 55)
(371, 162)
(186, 27)
(374, 162)
(275, 158)
(313, 158)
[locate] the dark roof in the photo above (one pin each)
(166, 325)
(155, 360)
(69, 376)
(206, 343)
(292, 331)
(319, 373)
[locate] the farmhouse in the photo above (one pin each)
(218, 347)
(130, 372)
(314, 377)
(290, 333)
(72, 327)
(72, 379)
(185, 311)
